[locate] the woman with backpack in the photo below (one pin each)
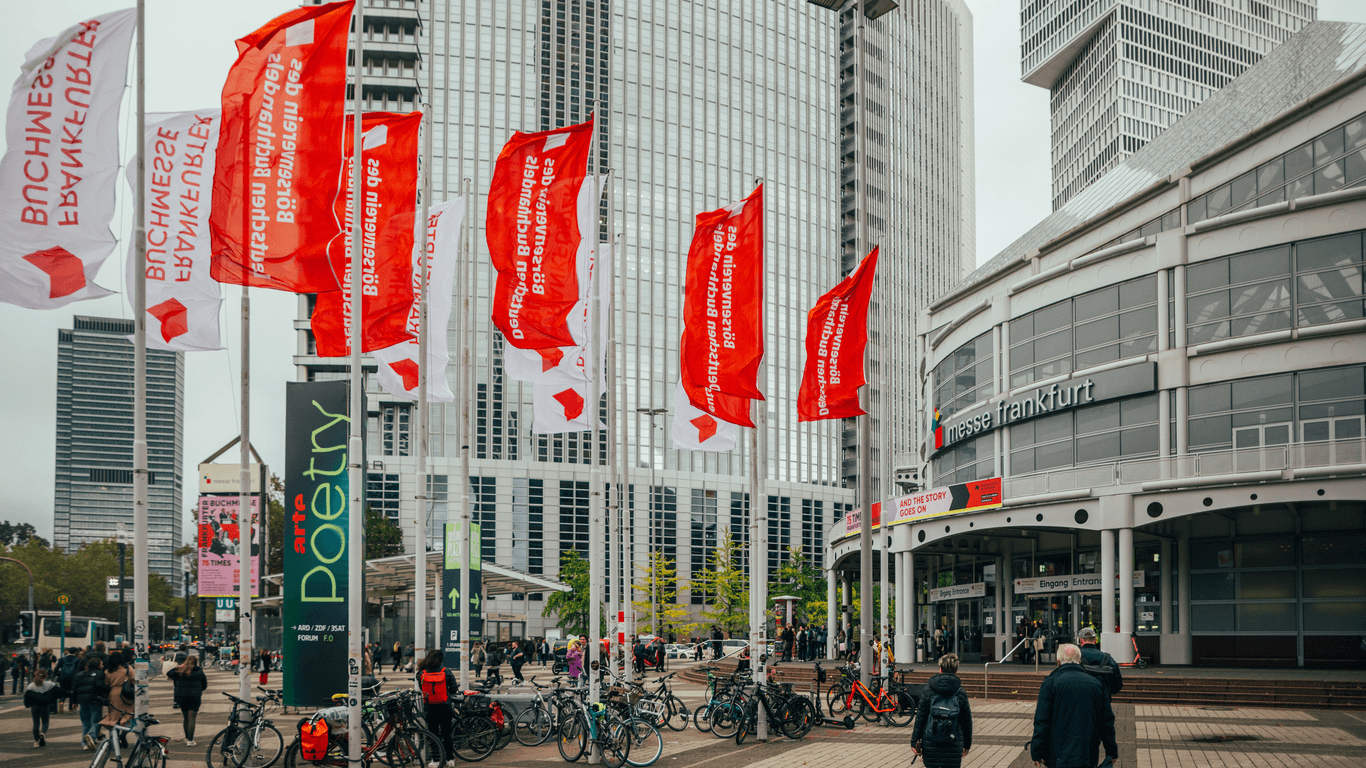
(437, 683)
(190, 684)
(39, 697)
(86, 689)
(943, 721)
(477, 656)
(118, 681)
(66, 672)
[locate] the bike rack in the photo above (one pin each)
(986, 668)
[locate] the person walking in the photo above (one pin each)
(517, 657)
(477, 657)
(409, 655)
(87, 687)
(39, 696)
(66, 672)
(190, 684)
(436, 684)
(659, 654)
(262, 665)
(715, 642)
(574, 658)
(118, 682)
(943, 720)
(397, 655)
(1073, 717)
(1099, 663)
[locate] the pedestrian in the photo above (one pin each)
(574, 657)
(789, 640)
(66, 672)
(943, 720)
(517, 659)
(118, 681)
(39, 696)
(659, 654)
(477, 657)
(87, 687)
(715, 642)
(1073, 717)
(18, 672)
(409, 655)
(1099, 663)
(547, 656)
(494, 658)
(397, 655)
(841, 643)
(190, 684)
(436, 684)
(742, 663)
(263, 665)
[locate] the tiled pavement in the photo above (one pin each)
(1149, 736)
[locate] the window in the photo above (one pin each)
(396, 433)
(1317, 406)
(382, 494)
(964, 377)
(968, 461)
(703, 539)
(1103, 432)
(1112, 323)
(483, 505)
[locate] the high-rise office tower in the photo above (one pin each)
(1120, 71)
(699, 99)
(94, 478)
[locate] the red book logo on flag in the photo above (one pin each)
(173, 316)
(706, 427)
(550, 358)
(66, 272)
(407, 371)
(572, 402)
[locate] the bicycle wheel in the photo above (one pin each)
(654, 709)
(268, 747)
(836, 699)
(646, 744)
(798, 717)
(413, 748)
(473, 738)
(864, 710)
(743, 725)
(725, 720)
(102, 752)
(614, 738)
(573, 735)
(904, 714)
(701, 718)
(533, 726)
(223, 749)
(678, 714)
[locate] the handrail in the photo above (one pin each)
(986, 668)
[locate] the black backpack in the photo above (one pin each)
(943, 723)
(67, 670)
(1107, 671)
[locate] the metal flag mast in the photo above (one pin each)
(593, 365)
(355, 536)
(142, 563)
(758, 523)
(865, 426)
(467, 251)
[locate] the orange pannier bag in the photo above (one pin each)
(313, 739)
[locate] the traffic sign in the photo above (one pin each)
(63, 599)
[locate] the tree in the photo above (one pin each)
(571, 608)
(797, 576)
(660, 579)
(726, 585)
(383, 537)
(19, 534)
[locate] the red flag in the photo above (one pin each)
(836, 333)
(389, 194)
(534, 233)
(280, 153)
(723, 309)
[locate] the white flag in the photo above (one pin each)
(569, 365)
(398, 364)
(697, 430)
(183, 299)
(61, 163)
(560, 408)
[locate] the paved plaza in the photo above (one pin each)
(1150, 736)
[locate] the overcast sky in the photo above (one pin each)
(188, 54)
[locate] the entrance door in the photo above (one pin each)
(1330, 431)
(1248, 442)
(969, 630)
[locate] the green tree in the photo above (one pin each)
(797, 576)
(726, 586)
(18, 534)
(571, 608)
(660, 579)
(383, 537)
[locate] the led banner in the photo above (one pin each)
(220, 548)
(958, 499)
(451, 603)
(315, 541)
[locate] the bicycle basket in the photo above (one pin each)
(619, 695)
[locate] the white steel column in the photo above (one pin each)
(355, 596)
(1124, 650)
(1164, 564)
(832, 596)
(142, 560)
(1007, 592)
(1181, 594)
(421, 522)
(1107, 585)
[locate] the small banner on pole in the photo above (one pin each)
(451, 603)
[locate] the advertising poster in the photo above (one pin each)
(315, 542)
(220, 548)
(451, 604)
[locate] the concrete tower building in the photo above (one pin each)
(700, 98)
(94, 478)
(1120, 71)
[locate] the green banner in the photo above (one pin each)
(315, 542)
(451, 604)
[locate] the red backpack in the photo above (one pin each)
(434, 687)
(313, 740)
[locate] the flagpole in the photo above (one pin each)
(356, 477)
(594, 364)
(758, 515)
(466, 287)
(613, 448)
(421, 522)
(865, 425)
(141, 564)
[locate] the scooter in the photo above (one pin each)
(847, 723)
(1138, 661)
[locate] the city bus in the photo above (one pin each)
(81, 631)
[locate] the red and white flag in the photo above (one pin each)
(723, 308)
(836, 334)
(398, 364)
(280, 154)
(568, 364)
(61, 164)
(534, 234)
(388, 196)
(697, 430)
(561, 408)
(183, 299)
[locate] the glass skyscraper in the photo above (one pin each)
(1120, 71)
(699, 100)
(94, 477)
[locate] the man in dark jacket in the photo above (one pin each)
(715, 642)
(943, 745)
(1098, 662)
(1073, 717)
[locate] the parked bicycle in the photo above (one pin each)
(583, 726)
(148, 751)
(250, 740)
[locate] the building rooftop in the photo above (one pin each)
(1314, 60)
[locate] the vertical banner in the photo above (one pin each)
(61, 163)
(451, 604)
(385, 215)
(183, 299)
(836, 335)
(278, 167)
(533, 234)
(220, 545)
(315, 546)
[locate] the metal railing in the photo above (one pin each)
(986, 668)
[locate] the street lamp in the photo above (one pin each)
(654, 605)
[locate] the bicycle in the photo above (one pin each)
(647, 745)
(668, 709)
(897, 707)
(148, 751)
(398, 744)
(787, 718)
(537, 721)
(583, 725)
(250, 740)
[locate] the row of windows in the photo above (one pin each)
(1107, 324)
